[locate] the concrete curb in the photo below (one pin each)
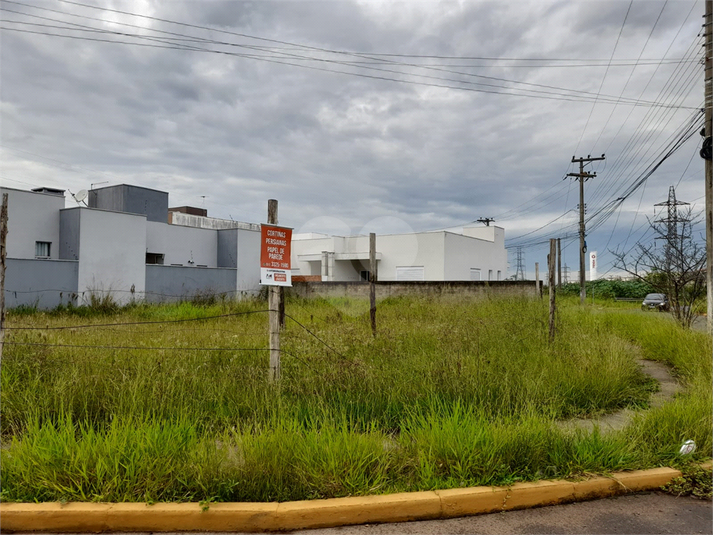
(255, 517)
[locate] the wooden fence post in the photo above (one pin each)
(551, 272)
(274, 305)
(372, 281)
(3, 257)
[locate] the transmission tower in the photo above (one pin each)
(565, 273)
(672, 220)
(520, 269)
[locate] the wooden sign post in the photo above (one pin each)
(372, 281)
(275, 272)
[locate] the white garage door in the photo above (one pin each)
(410, 273)
(475, 274)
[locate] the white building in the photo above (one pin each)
(475, 253)
(126, 243)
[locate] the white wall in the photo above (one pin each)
(112, 254)
(401, 250)
(443, 255)
(463, 253)
(32, 217)
(182, 244)
(248, 260)
(310, 247)
(397, 250)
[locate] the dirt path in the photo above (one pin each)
(615, 421)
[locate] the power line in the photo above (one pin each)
(558, 94)
(601, 84)
(631, 74)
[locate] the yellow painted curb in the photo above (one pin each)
(255, 517)
(358, 510)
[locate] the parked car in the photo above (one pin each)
(655, 302)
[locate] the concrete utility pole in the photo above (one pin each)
(582, 177)
(486, 220)
(707, 78)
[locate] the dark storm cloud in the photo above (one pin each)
(240, 130)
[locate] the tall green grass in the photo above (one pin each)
(448, 394)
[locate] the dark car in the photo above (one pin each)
(655, 302)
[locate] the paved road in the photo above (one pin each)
(648, 513)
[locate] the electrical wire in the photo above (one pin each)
(558, 94)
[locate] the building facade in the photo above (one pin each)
(126, 243)
(476, 253)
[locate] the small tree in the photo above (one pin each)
(673, 264)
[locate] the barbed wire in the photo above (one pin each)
(133, 323)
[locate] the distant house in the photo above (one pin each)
(127, 243)
(475, 253)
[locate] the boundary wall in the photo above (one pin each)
(385, 289)
(41, 283)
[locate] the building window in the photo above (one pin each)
(500, 276)
(490, 274)
(364, 275)
(154, 258)
(42, 249)
(475, 274)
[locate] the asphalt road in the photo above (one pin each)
(646, 513)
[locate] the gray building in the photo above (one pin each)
(128, 244)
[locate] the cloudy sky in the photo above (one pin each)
(362, 115)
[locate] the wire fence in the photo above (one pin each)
(134, 324)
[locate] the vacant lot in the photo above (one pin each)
(172, 403)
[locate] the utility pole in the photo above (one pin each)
(582, 177)
(3, 256)
(708, 80)
(486, 220)
(537, 279)
(274, 306)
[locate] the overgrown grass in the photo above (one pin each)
(448, 394)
